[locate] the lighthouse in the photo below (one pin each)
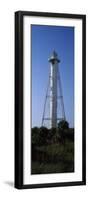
(53, 95)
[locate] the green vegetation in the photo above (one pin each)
(52, 149)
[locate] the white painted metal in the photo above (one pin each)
(53, 89)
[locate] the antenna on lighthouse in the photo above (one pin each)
(53, 95)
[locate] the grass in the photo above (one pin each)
(54, 158)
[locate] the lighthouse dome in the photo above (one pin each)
(54, 57)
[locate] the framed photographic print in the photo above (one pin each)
(50, 99)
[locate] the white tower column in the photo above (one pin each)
(53, 89)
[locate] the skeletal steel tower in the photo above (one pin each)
(53, 95)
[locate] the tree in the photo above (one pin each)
(35, 136)
(43, 135)
(39, 136)
(63, 125)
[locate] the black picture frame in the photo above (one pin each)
(19, 115)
